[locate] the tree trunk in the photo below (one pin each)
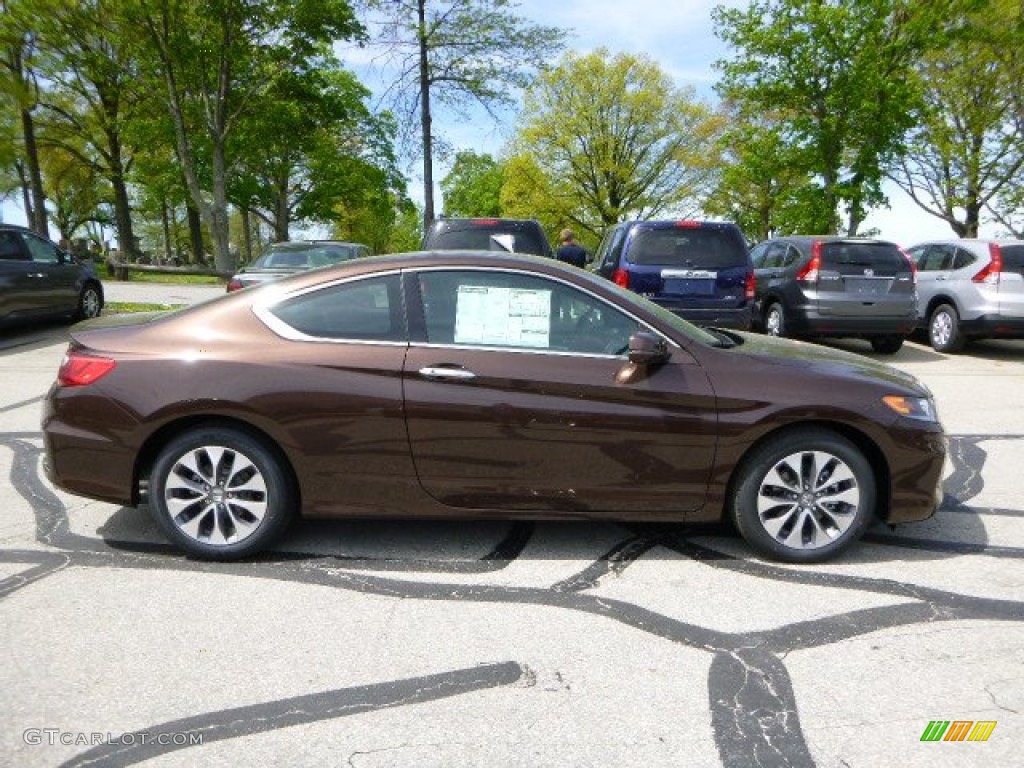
(195, 232)
(246, 236)
(165, 222)
(37, 223)
(428, 142)
(26, 193)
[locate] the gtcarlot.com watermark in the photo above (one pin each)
(53, 736)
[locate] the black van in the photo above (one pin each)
(484, 234)
(835, 287)
(700, 270)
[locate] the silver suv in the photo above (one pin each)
(970, 289)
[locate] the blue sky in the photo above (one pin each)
(678, 34)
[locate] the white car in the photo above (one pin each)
(970, 289)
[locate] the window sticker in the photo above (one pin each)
(497, 316)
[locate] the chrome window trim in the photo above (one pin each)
(263, 311)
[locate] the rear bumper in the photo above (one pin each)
(737, 319)
(813, 324)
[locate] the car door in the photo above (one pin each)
(58, 277)
(17, 276)
(934, 265)
(515, 401)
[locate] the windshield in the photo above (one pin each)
(304, 256)
(688, 247)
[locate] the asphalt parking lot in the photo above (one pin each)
(417, 643)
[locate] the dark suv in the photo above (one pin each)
(512, 235)
(835, 287)
(39, 279)
(700, 270)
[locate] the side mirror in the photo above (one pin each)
(647, 349)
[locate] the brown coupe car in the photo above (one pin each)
(481, 385)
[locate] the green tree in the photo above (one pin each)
(19, 84)
(473, 186)
(458, 53)
(93, 93)
(602, 139)
(966, 149)
(837, 75)
(216, 60)
(761, 186)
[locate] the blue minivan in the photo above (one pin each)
(700, 270)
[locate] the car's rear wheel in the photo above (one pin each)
(775, 320)
(220, 494)
(803, 496)
(887, 345)
(944, 330)
(90, 303)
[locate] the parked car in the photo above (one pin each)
(39, 279)
(481, 384)
(700, 270)
(287, 258)
(487, 234)
(970, 289)
(835, 287)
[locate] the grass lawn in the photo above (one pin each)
(125, 307)
(155, 277)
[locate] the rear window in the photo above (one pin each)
(489, 237)
(1013, 257)
(305, 256)
(687, 247)
(884, 257)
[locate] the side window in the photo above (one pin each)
(10, 246)
(963, 258)
(361, 310)
(775, 256)
(42, 251)
(757, 255)
(507, 309)
(937, 258)
(611, 258)
(792, 256)
(917, 255)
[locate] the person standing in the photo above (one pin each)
(570, 251)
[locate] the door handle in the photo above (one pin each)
(940, 277)
(433, 372)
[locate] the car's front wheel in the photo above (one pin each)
(944, 330)
(220, 494)
(803, 496)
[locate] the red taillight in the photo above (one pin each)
(990, 274)
(751, 286)
(688, 224)
(77, 369)
(485, 222)
(234, 285)
(810, 271)
(621, 278)
(913, 265)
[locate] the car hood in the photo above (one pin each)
(772, 351)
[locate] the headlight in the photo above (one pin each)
(920, 408)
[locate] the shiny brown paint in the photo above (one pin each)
(534, 435)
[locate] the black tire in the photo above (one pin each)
(90, 302)
(775, 320)
(220, 494)
(827, 519)
(944, 332)
(886, 345)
